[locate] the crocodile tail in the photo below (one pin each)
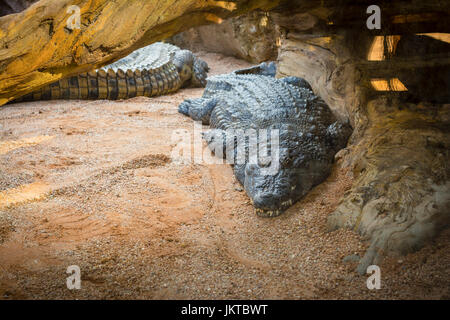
(110, 84)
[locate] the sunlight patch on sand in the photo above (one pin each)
(23, 193)
(8, 146)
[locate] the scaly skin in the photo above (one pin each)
(309, 133)
(155, 70)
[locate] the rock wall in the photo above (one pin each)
(401, 166)
(252, 37)
(399, 151)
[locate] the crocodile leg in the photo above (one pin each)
(198, 109)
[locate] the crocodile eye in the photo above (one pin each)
(285, 161)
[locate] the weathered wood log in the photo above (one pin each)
(37, 47)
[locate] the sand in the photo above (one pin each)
(93, 184)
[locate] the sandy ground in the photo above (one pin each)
(93, 184)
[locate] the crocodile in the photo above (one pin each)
(309, 134)
(154, 70)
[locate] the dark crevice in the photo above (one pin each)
(14, 6)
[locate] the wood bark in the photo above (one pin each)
(37, 47)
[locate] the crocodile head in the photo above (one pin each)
(303, 162)
(192, 70)
(271, 195)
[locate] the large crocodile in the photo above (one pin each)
(309, 133)
(157, 69)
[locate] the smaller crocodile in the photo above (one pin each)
(253, 99)
(157, 69)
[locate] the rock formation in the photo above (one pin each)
(401, 194)
(252, 37)
(399, 150)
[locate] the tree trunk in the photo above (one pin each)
(37, 47)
